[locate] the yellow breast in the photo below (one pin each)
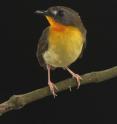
(64, 46)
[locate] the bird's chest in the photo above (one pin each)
(64, 47)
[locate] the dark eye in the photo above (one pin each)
(60, 13)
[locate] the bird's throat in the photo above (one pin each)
(55, 25)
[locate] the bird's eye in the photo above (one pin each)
(60, 13)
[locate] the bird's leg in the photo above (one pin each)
(76, 76)
(52, 86)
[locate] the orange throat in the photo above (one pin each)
(55, 25)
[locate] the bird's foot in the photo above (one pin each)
(53, 88)
(78, 78)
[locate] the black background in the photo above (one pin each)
(21, 73)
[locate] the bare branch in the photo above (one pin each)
(19, 101)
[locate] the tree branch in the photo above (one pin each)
(19, 101)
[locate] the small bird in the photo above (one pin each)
(62, 42)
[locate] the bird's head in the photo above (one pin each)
(61, 16)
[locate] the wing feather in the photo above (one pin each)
(42, 47)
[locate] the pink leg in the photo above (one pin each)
(52, 86)
(78, 78)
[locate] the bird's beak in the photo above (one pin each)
(47, 15)
(42, 12)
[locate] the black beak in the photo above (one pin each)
(42, 12)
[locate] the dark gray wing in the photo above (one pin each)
(42, 47)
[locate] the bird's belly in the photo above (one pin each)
(62, 58)
(63, 49)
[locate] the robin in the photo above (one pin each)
(62, 42)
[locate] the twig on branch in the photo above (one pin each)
(19, 101)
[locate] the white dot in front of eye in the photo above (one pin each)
(54, 12)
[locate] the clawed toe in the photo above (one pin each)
(53, 88)
(78, 78)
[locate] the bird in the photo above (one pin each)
(62, 42)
